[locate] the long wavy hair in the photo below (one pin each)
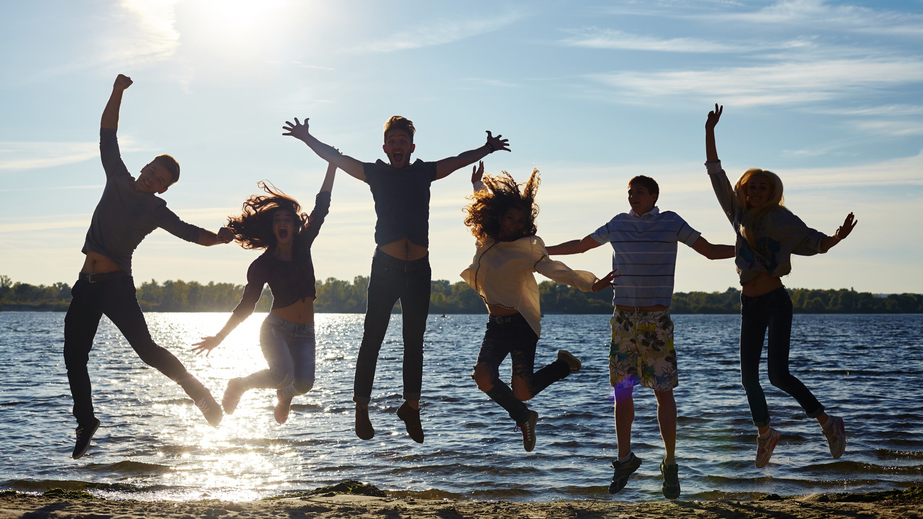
(253, 228)
(488, 206)
(754, 217)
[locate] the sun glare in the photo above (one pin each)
(234, 27)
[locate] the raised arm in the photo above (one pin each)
(329, 178)
(208, 238)
(713, 252)
(348, 164)
(711, 149)
(841, 233)
(573, 246)
(446, 166)
(110, 119)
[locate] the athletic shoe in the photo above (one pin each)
(210, 408)
(622, 471)
(835, 432)
(528, 431)
(364, 428)
(283, 406)
(571, 361)
(411, 418)
(765, 446)
(232, 395)
(84, 435)
(670, 480)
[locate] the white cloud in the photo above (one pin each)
(437, 33)
(37, 155)
(821, 14)
(151, 35)
(612, 39)
(779, 83)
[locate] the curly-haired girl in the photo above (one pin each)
(767, 235)
(274, 222)
(502, 218)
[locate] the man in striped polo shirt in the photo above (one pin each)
(644, 253)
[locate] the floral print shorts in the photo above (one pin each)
(642, 350)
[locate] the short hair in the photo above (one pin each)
(647, 183)
(397, 122)
(170, 163)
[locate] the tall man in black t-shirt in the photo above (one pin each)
(128, 211)
(400, 265)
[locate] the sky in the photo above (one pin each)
(829, 95)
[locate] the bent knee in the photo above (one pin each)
(281, 379)
(302, 386)
(522, 394)
(483, 377)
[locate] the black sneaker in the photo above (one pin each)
(84, 435)
(210, 408)
(364, 428)
(528, 431)
(622, 471)
(670, 480)
(411, 419)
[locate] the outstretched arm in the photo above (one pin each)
(446, 166)
(329, 178)
(711, 251)
(110, 119)
(573, 246)
(207, 344)
(841, 233)
(711, 149)
(208, 238)
(608, 281)
(348, 164)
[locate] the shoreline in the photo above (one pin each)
(350, 499)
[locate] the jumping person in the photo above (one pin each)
(767, 235)
(128, 211)
(502, 218)
(400, 265)
(275, 223)
(643, 244)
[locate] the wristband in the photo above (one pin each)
(491, 147)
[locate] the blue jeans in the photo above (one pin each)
(116, 298)
(392, 280)
(772, 312)
(511, 335)
(289, 349)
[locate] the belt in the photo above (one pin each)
(95, 277)
(506, 319)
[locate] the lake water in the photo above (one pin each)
(154, 444)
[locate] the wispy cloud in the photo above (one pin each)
(844, 17)
(595, 38)
(779, 83)
(151, 35)
(38, 155)
(438, 33)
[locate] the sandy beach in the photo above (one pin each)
(332, 504)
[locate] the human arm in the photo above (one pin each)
(477, 176)
(446, 166)
(712, 252)
(110, 118)
(348, 164)
(327, 186)
(574, 246)
(606, 281)
(207, 344)
(251, 296)
(321, 207)
(841, 233)
(711, 149)
(208, 238)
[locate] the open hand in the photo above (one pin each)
(207, 344)
(298, 130)
(848, 225)
(121, 82)
(498, 142)
(477, 172)
(606, 281)
(713, 117)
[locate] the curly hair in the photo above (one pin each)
(253, 228)
(489, 205)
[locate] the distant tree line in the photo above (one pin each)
(338, 296)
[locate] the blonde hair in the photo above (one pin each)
(754, 217)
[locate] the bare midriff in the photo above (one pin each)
(299, 312)
(404, 250)
(96, 263)
(655, 308)
(762, 284)
(501, 310)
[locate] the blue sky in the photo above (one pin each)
(826, 94)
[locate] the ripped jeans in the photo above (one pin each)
(289, 350)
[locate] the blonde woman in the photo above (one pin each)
(767, 235)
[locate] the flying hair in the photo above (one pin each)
(489, 205)
(253, 228)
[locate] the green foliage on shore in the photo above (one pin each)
(338, 296)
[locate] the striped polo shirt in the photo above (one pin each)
(644, 253)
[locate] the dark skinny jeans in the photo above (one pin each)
(118, 301)
(392, 280)
(512, 335)
(772, 311)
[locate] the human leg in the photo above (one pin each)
(753, 325)
(494, 348)
(414, 312)
(666, 418)
(779, 343)
(302, 348)
(624, 417)
(80, 325)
